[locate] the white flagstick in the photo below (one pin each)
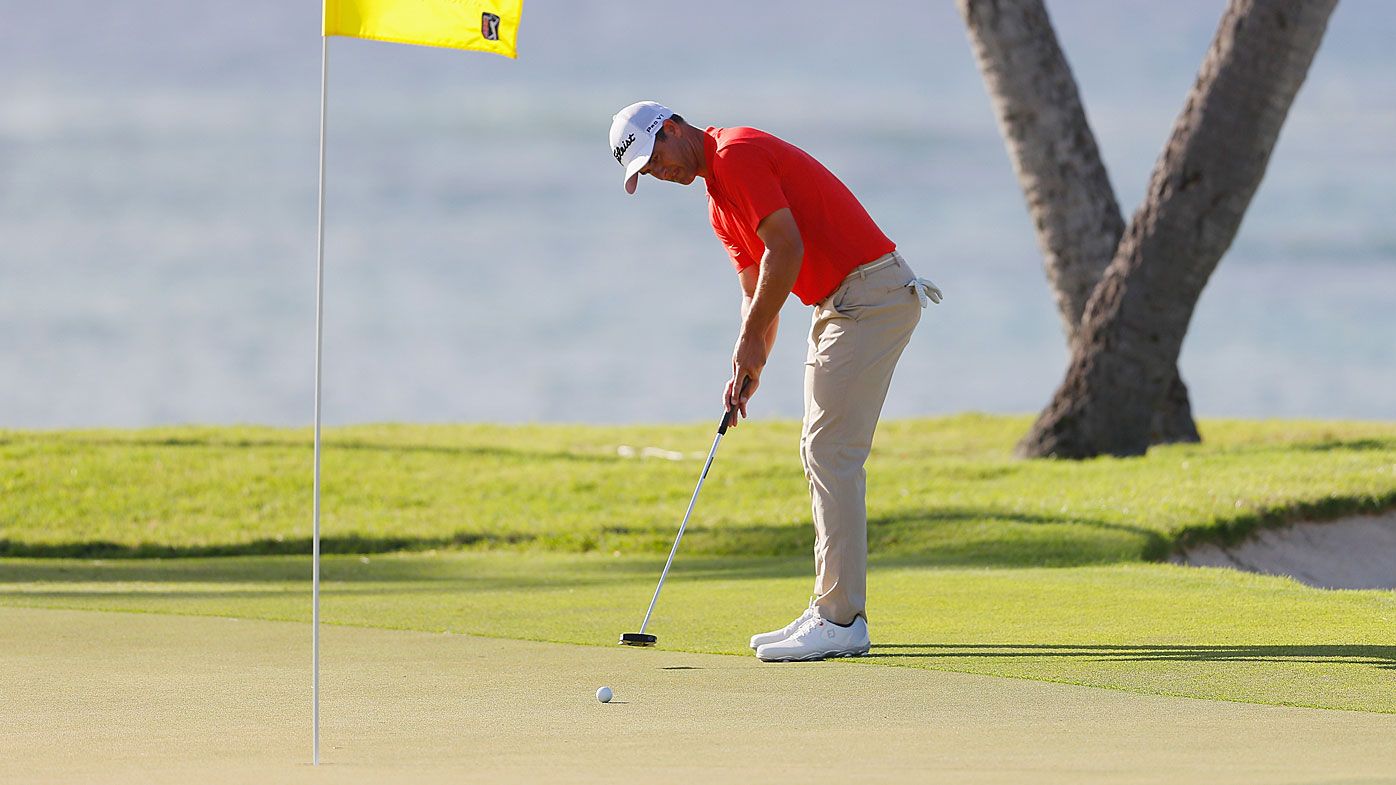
(319, 341)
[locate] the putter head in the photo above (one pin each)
(637, 639)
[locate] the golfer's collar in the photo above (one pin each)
(710, 154)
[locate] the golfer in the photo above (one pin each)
(790, 225)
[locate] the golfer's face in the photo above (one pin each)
(666, 163)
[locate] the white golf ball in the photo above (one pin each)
(604, 694)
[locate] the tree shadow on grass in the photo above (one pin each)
(1377, 656)
(222, 594)
(471, 572)
(936, 537)
(928, 537)
(1352, 445)
(266, 546)
(336, 445)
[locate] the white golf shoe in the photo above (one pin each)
(818, 639)
(776, 636)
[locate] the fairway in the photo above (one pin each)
(136, 698)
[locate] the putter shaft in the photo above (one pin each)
(727, 416)
(682, 526)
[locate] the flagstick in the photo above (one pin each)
(319, 342)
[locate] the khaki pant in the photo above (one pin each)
(855, 340)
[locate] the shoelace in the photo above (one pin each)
(794, 626)
(812, 623)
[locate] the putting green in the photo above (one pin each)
(116, 697)
(1158, 629)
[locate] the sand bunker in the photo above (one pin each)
(1350, 553)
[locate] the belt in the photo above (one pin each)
(886, 260)
(926, 292)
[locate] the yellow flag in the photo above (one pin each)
(486, 25)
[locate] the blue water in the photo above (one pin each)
(158, 192)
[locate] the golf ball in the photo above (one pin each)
(604, 694)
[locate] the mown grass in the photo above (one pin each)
(1160, 629)
(943, 491)
(982, 563)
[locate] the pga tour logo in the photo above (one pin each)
(489, 26)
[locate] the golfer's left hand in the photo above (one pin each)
(748, 360)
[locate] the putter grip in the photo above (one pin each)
(726, 416)
(731, 412)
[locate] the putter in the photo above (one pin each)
(641, 638)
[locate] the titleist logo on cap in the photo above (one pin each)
(623, 146)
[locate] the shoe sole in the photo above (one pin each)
(759, 645)
(817, 656)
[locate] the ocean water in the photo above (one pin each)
(158, 196)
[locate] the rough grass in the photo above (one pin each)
(942, 491)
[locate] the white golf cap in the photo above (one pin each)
(632, 137)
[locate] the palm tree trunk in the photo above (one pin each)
(1136, 318)
(1058, 164)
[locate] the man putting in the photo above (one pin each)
(790, 226)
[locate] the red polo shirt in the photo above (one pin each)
(752, 174)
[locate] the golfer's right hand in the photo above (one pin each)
(735, 397)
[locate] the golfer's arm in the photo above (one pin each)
(779, 268)
(749, 278)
